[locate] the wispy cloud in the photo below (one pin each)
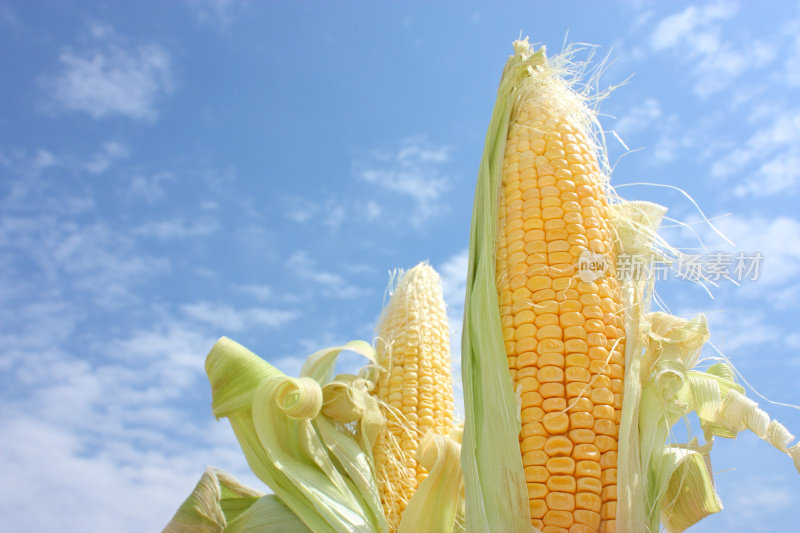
(32, 164)
(416, 170)
(218, 14)
(676, 29)
(454, 279)
(792, 62)
(332, 285)
(262, 293)
(776, 239)
(639, 118)
(769, 161)
(762, 495)
(93, 259)
(454, 283)
(329, 213)
(102, 261)
(109, 152)
(176, 228)
(107, 430)
(92, 412)
(226, 318)
(738, 332)
(29, 165)
(110, 77)
(713, 62)
(650, 117)
(95, 382)
(372, 210)
(148, 188)
(300, 209)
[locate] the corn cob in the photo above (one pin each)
(564, 336)
(563, 332)
(415, 390)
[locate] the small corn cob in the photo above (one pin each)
(564, 337)
(415, 390)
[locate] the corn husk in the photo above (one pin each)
(321, 470)
(310, 440)
(217, 499)
(495, 491)
(437, 501)
(659, 482)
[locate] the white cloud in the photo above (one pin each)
(454, 278)
(111, 435)
(649, 116)
(414, 171)
(110, 152)
(100, 261)
(334, 216)
(218, 14)
(751, 316)
(759, 497)
(724, 62)
(674, 29)
(333, 285)
(28, 165)
(260, 292)
(670, 141)
(43, 160)
(777, 239)
(330, 213)
(639, 118)
(93, 259)
(111, 78)
(780, 174)
(54, 242)
(372, 210)
(96, 410)
(176, 228)
(148, 188)
(738, 331)
(714, 63)
(91, 416)
(226, 318)
(300, 209)
(769, 161)
(792, 64)
(454, 284)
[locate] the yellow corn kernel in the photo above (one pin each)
(415, 389)
(569, 326)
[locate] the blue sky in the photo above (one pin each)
(173, 172)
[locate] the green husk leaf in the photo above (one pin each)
(320, 365)
(636, 224)
(435, 504)
(217, 499)
(496, 493)
(690, 494)
(356, 460)
(273, 419)
(667, 483)
(235, 372)
(267, 515)
(794, 452)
